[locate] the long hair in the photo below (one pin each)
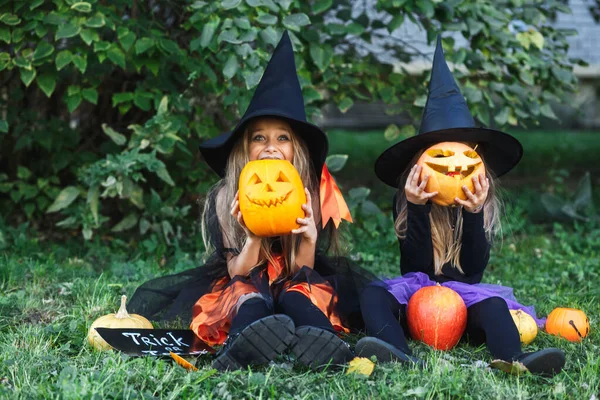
(446, 222)
(222, 195)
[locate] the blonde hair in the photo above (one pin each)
(223, 193)
(446, 222)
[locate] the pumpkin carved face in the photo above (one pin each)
(271, 195)
(525, 325)
(437, 316)
(450, 166)
(569, 323)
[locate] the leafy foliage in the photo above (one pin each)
(105, 103)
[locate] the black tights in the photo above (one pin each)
(488, 321)
(295, 305)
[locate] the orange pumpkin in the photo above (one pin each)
(569, 323)
(450, 166)
(437, 316)
(271, 195)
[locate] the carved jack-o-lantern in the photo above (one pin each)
(271, 195)
(450, 166)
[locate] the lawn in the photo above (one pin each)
(51, 292)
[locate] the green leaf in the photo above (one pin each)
(269, 36)
(90, 94)
(97, 21)
(3, 126)
(23, 173)
(502, 117)
(63, 59)
(320, 6)
(267, 19)
(296, 21)
(89, 36)
(321, 55)
(526, 77)
(115, 55)
(33, 4)
(67, 30)
(73, 102)
(122, 97)
(127, 40)
(391, 132)
(93, 197)
(336, 162)
(229, 4)
(310, 95)
(114, 135)
(64, 199)
(10, 19)
(426, 7)
(396, 22)
(231, 67)
(4, 60)
(546, 111)
(44, 49)
(345, 104)
(252, 78)
(355, 29)
(80, 62)
(126, 223)
(143, 44)
(5, 35)
(164, 175)
(27, 76)
(229, 36)
(537, 39)
(82, 6)
(208, 31)
(47, 82)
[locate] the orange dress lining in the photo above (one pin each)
(213, 312)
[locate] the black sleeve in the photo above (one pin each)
(416, 250)
(475, 250)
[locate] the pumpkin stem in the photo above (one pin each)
(574, 327)
(122, 313)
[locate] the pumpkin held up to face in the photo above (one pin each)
(271, 195)
(450, 166)
(437, 316)
(569, 323)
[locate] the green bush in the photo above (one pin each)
(103, 104)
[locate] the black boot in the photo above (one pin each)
(316, 347)
(258, 343)
(371, 346)
(546, 362)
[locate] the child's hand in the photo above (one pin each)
(475, 201)
(308, 228)
(237, 214)
(416, 193)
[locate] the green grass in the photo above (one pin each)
(51, 292)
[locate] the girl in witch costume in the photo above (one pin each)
(260, 296)
(448, 245)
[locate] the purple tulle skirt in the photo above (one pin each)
(403, 287)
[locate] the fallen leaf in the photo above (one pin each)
(182, 362)
(514, 368)
(361, 365)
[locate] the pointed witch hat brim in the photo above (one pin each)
(446, 118)
(278, 94)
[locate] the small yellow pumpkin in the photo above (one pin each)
(526, 325)
(122, 319)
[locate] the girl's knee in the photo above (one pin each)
(373, 294)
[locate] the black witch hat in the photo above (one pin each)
(446, 118)
(278, 94)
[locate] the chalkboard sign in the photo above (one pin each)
(155, 342)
